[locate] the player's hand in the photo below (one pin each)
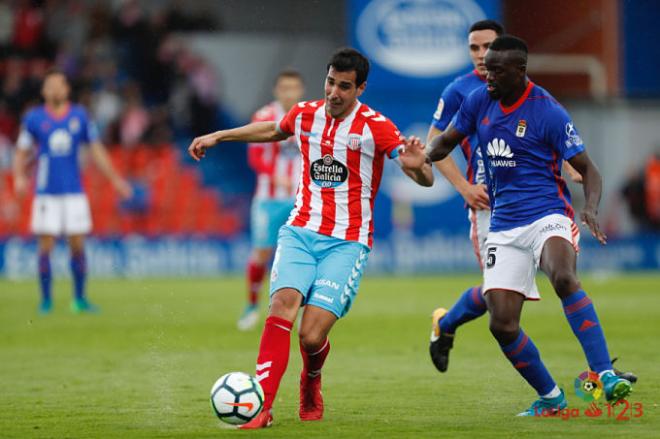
(124, 188)
(412, 155)
(21, 186)
(589, 219)
(199, 145)
(476, 196)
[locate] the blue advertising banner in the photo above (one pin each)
(400, 253)
(416, 45)
(416, 48)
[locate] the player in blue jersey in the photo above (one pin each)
(525, 136)
(57, 130)
(472, 188)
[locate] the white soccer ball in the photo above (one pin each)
(237, 398)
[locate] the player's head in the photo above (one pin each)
(55, 88)
(345, 81)
(289, 88)
(480, 36)
(506, 65)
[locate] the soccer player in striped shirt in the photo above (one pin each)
(277, 165)
(525, 136)
(322, 250)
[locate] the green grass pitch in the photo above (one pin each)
(145, 365)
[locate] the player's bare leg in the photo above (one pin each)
(505, 308)
(274, 351)
(254, 273)
(314, 328)
(45, 244)
(558, 261)
(78, 265)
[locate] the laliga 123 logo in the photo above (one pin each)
(420, 38)
(588, 386)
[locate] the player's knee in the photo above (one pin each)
(284, 305)
(504, 330)
(564, 282)
(311, 341)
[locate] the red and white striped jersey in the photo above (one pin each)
(342, 165)
(277, 164)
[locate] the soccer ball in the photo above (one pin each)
(237, 398)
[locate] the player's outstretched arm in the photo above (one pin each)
(413, 162)
(592, 184)
(254, 132)
(102, 160)
(441, 146)
(475, 195)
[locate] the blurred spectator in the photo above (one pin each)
(29, 37)
(642, 194)
(653, 190)
(14, 92)
(135, 118)
(104, 50)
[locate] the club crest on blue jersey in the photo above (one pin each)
(74, 125)
(522, 127)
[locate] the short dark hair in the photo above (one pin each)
(509, 42)
(493, 25)
(347, 59)
(289, 73)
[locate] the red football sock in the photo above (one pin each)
(273, 356)
(313, 362)
(255, 276)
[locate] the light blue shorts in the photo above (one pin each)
(325, 270)
(267, 216)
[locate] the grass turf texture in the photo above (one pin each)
(145, 365)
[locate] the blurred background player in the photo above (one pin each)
(323, 248)
(277, 165)
(57, 129)
(472, 188)
(529, 134)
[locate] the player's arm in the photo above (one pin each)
(102, 161)
(592, 184)
(254, 132)
(24, 146)
(441, 146)
(21, 181)
(413, 162)
(475, 195)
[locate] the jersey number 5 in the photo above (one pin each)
(491, 257)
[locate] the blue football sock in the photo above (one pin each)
(45, 276)
(79, 272)
(526, 359)
(584, 322)
(468, 307)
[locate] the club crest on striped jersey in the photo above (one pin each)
(328, 172)
(354, 142)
